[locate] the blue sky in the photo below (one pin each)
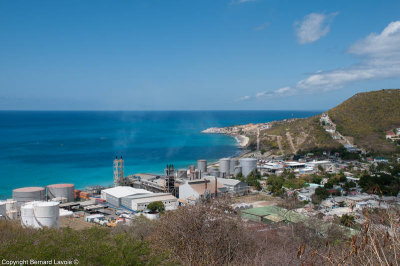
(195, 55)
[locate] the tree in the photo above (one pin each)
(316, 179)
(322, 193)
(275, 184)
(156, 206)
(347, 220)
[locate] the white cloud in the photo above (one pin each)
(313, 27)
(380, 59)
(380, 54)
(285, 91)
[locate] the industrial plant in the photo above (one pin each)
(130, 195)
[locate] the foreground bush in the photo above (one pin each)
(210, 233)
(94, 246)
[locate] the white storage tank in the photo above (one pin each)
(3, 212)
(27, 216)
(151, 216)
(202, 166)
(28, 194)
(248, 165)
(12, 215)
(224, 167)
(233, 164)
(11, 205)
(39, 214)
(238, 170)
(61, 191)
(11, 209)
(214, 172)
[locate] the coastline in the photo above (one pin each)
(242, 140)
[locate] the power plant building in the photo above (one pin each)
(140, 202)
(114, 195)
(233, 186)
(194, 190)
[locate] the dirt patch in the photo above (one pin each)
(75, 223)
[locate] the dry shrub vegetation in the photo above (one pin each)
(210, 233)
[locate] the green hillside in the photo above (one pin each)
(367, 116)
(364, 118)
(306, 135)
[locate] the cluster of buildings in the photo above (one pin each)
(393, 135)
(192, 184)
(129, 197)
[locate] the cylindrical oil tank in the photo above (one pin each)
(224, 167)
(248, 165)
(214, 172)
(38, 214)
(11, 205)
(28, 194)
(61, 191)
(182, 173)
(202, 165)
(233, 164)
(3, 212)
(27, 215)
(47, 214)
(237, 171)
(12, 215)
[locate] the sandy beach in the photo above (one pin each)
(242, 140)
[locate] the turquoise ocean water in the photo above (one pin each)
(41, 148)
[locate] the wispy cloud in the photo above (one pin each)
(236, 2)
(261, 27)
(313, 27)
(244, 98)
(379, 55)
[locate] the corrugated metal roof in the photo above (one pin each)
(123, 191)
(151, 199)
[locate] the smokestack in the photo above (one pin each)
(216, 187)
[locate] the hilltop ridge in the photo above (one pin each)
(361, 123)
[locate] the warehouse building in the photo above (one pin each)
(193, 190)
(114, 195)
(140, 202)
(233, 186)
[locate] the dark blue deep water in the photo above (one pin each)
(41, 148)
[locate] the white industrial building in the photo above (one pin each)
(140, 202)
(114, 195)
(233, 186)
(193, 190)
